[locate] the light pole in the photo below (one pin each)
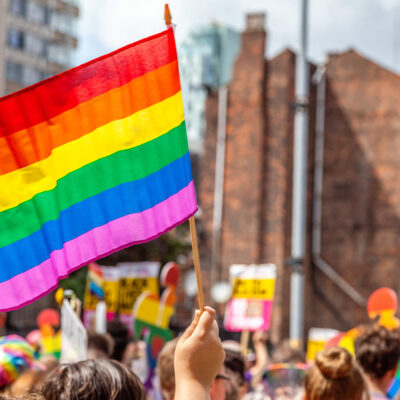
(299, 205)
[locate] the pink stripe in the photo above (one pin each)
(97, 243)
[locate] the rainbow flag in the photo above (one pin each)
(91, 161)
(95, 280)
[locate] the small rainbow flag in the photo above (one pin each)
(91, 161)
(95, 280)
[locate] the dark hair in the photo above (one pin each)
(335, 375)
(378, 350)
(101, 343)
(119, 332)
(93, 380)
(234, 362)
(235, 369)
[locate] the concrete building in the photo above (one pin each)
(37, 39)
(357, 236)
(206, 60)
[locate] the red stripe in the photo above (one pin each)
(28, 146)
(62, 92)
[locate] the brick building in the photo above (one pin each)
(359, 229)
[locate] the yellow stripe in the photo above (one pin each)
(96, 278)
(141, 127)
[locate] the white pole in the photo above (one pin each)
(219, 183)
(299, 206)
(101, 317)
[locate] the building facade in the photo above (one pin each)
(206, 60)
(357, 234)
(37, 40)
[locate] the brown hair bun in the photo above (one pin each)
(334, 363)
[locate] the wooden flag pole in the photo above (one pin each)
(244, 342)
(167, 15)
(196, 259)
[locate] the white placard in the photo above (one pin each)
(73, 336)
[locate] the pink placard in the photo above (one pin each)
(248, 315)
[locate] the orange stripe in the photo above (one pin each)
(28, 146)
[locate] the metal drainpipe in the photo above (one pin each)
(219, 184)
(319, 79)
(299, 205)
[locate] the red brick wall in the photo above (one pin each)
(361, 192)
(207, 183)
(278, 178)
(245, 135)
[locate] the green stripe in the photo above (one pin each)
(90, 180)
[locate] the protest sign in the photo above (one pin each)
(73, 335)
(317, 340)
(152, 314)
(122, 285)
(251, 304)
(382, 304)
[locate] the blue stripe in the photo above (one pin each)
(394, 388)
(96, 290)
(124, 199)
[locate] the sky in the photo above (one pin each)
(372, 27)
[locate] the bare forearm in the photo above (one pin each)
(191, 390)
(261, 359)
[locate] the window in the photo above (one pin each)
(14, 72)
(35, 45)
(15, 39)
(63, 23)
(36, 13)
(31, 75)
(18, 7)
(59, 54)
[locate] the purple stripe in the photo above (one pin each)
(97, 243)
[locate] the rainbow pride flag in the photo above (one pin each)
(91, 161)
(95, 281)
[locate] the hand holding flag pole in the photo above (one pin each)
(196, 259)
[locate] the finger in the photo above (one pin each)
(215, 328)
(190, 329)
(206, 322)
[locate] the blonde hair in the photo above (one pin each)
(335, 375)
(165, 369)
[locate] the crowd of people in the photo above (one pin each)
(198, 366)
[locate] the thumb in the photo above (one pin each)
(206, 321)
(190, 329)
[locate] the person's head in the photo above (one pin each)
(28, 396)
(93, 380)
(334, 375)
(30, 380)
(284, 353)
(220, 385)
(99, 346)
(165, 369)
(16, 357)
(235, 369)
(33, 396)
(378, 353)
(119, 332)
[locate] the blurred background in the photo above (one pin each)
(238, 74)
